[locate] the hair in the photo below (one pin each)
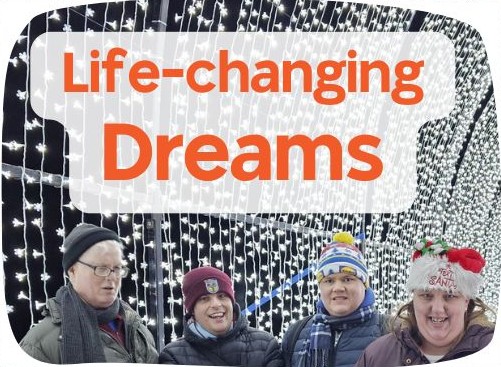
(476, 314)
(106, 243)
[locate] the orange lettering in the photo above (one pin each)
(69, 86)
(143, 69)
(262, 157)
(284, 143)
(193, 155)
(192, 81)
(271, 77)
(111, 133)
(165, 146)
(354, 150)
(225, 68)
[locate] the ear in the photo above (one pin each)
(467, 302)
(71, 272)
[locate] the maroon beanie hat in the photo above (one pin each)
(202, 281)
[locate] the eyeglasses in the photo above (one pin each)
(104, 271)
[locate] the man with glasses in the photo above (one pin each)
(86, 322)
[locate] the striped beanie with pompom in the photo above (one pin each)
(342, 256)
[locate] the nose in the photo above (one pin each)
(114, 274)
(215, 301)
(438, 305)
(338, 286)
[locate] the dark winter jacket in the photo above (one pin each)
(43, 341)
(242, 346)
(400, 349)
(347, 344)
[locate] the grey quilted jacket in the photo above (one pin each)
(42, 342)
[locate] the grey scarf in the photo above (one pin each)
(80, 327)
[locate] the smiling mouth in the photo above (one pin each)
(437, 320)
(340, 298)
(216, 316)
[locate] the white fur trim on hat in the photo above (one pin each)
(434, 272)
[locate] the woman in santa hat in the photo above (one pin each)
(445, 319)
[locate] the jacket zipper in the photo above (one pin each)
(332, 356)
(131, 360)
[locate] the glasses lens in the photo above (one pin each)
(102, 271)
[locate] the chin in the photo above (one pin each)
(219, 332)
(107, 303)
(339, 312)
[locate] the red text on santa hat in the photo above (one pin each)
(445, 278)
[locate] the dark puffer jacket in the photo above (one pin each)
(399, 349)
(348, 344)
(43, 341)
(242, 346)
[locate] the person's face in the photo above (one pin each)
(440, 319)
(214, 312)
(99, 292)
(341, 293)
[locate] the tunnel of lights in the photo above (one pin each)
(268, 255)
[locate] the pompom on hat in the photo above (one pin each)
(342, 256)
(437, 266)
(204, 281)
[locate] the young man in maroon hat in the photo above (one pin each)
(215, 332)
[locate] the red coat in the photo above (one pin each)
(400, 349)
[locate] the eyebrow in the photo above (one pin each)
(97, 263)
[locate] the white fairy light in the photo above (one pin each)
(129, 24)
(112, 24)
(22, 296)
(19, 252)
(54, 16)
(14, 61)
(21, 95)
(13, 145)
(17, 223)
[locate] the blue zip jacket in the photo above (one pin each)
(348, 344)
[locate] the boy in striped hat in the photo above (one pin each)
(342, 276)
(345, 321)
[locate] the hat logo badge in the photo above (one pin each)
(212, 285)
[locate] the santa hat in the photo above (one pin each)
(342, 256)
(437, 266)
